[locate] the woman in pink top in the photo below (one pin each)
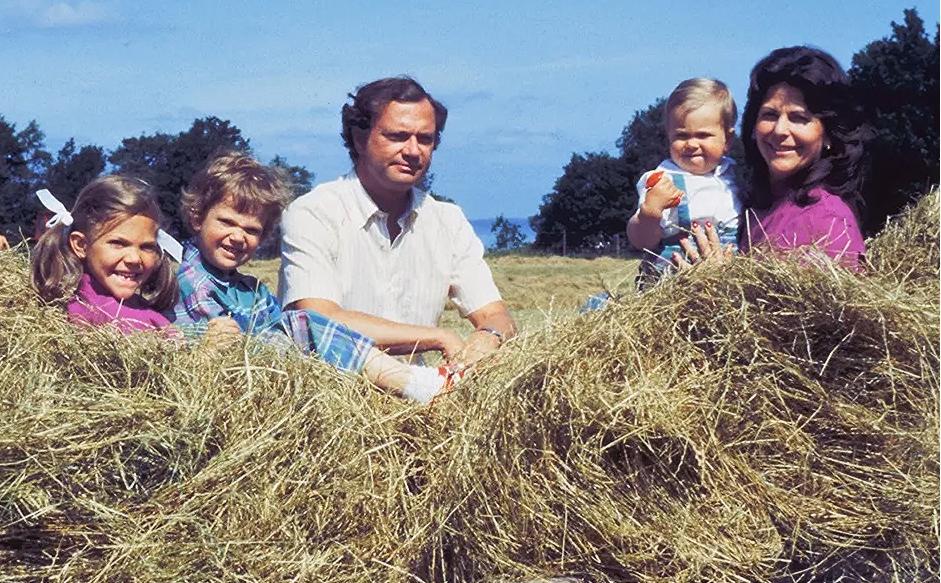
(803, 138)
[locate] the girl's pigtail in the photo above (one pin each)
(55, 271)
(161, 290)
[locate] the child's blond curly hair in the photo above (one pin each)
(248, 185)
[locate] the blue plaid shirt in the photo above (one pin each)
(207, 293)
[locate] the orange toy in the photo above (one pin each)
(653, 179)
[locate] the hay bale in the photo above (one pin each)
(907, 250)
(763, 421)
(766, 421)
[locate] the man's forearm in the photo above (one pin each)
(394, 337)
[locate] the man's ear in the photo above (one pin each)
(79, 244)
(360, 137)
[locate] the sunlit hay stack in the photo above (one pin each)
(907, 250)
(760, 421)
(314, 482)
(136, 458)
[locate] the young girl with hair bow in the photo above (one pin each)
(106, 257)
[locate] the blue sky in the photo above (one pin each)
(527, 83)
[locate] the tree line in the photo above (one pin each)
(165, 161)
(896, 81)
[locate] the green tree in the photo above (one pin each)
(301, 179)
(589, 204)
(508, 234)
(896, 79)
(72, 170)
(23, 162)
(643, 142)
(596, 194)
(168, 162)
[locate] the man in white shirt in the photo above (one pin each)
(381, 256)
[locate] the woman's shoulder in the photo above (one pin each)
(828, 204)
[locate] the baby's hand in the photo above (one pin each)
(662, 194)
(222, 332)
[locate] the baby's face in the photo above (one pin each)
(698, 138)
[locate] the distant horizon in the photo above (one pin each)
(482, 227)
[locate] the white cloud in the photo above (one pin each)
(66, 14)
(56, 14)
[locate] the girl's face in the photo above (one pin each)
(789, 136)
(120, 258)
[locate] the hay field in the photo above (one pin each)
(765, 420)
(536, 288)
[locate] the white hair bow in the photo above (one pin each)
(170, 246)
(60, 213)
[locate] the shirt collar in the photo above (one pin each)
(366, 209)
(94, 294)
(192, 259)
(724, 165)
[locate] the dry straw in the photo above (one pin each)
(765, 421)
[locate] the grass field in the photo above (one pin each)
(533, 286)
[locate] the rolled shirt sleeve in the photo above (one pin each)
(472, 286)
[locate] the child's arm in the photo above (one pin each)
(644, 230)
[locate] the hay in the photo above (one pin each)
(764, 421)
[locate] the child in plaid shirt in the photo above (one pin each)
(230, 205)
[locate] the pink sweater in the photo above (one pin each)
(93, 305)
(828, 223)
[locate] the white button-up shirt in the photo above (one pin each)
(335, 246)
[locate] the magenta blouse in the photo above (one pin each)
(93, 305)
(829, 223)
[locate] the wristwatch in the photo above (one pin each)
(496, 333)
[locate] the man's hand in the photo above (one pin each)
(4, 245)
(450, 344)
(494, 316)
(479, 344)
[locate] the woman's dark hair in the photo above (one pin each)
(829, 97)
(371, 99)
